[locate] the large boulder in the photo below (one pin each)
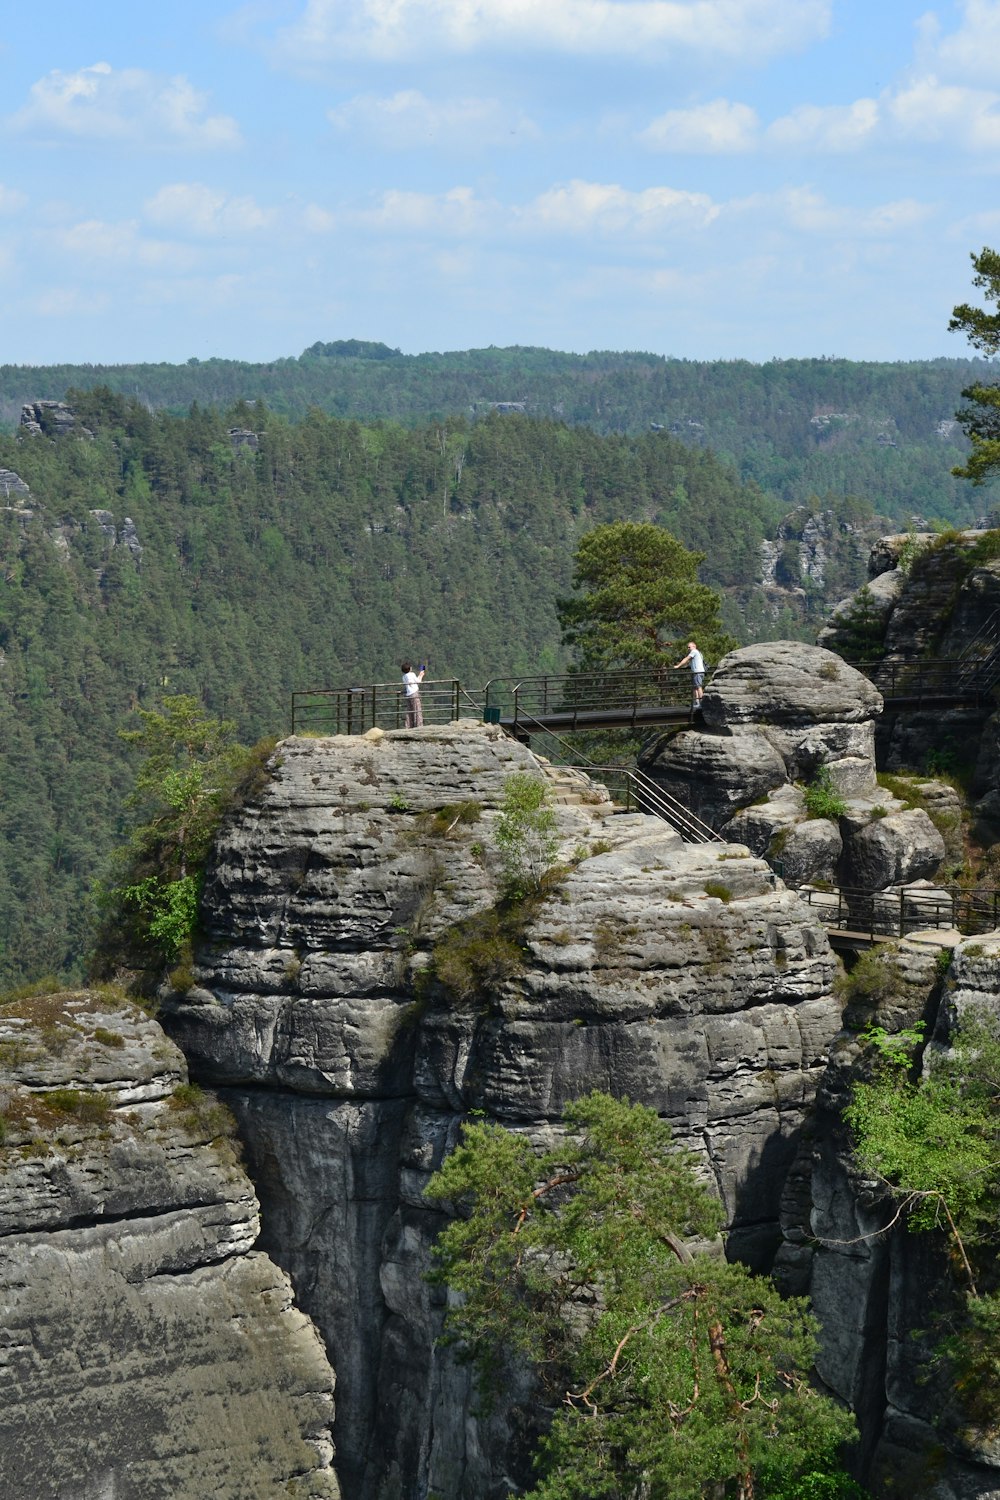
(892, 851)
(806, 748)
(808, 851)
(715, 774)
(788, 683)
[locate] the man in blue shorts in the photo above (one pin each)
(697, 661)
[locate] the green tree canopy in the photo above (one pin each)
(670, 1373)
(191, 771)
(934, 1143)
(638, 601)
(981, 418)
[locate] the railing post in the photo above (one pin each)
(457, 687)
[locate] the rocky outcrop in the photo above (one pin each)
(814, 558)
(776, 717)
(150, 1350)
(788, 684)
(352, 1022)
(51, 419)
(13, 484)
(125, 536)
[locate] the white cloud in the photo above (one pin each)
(928, 110)
(316, 220)
(127, 104)
(581, 208)
(99, 242)
(834, 127)
(747, 30)
(455, 212)
(11, 200)
(718, 126)
(409, 119)
(969, 53)
(193, 208)
(66, 302)
(809, 212)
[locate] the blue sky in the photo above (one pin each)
(701, 178)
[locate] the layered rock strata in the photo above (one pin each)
(149, 1350)
(352, 1022)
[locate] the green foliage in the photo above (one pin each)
(896, 1047)
(981, 419)
(861, 630)
(88, 1105)
(936, 1142)
(985, 550)
(106, 1038)
(664, 1368)
(476, 955)
(202, 1114)
(525, 836)
(190, 775)
(170, 909)
(822, 799)
(720, 891)
(873, 980)
(639, 601)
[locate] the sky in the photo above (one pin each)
(706, 179)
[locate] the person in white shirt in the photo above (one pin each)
(697, 661)
(411, 682)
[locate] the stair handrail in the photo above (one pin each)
(681, 819)
(978, 664)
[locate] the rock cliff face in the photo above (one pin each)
(149, 1350)
(684, 977)
(929, 597)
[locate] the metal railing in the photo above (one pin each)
(641, 792)
(894, 913)
(970, 675)
(381, 705)
(625, 694)
(945, 677)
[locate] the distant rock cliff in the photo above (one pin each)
(684, 977)
(149, 1350)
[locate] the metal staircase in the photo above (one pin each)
(646, 794)
(979, 664)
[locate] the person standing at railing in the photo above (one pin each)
(411, 685)
(697, 661)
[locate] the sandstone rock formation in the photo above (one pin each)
(150, 1351)
(51, 419)
(776, 716)
(685, 977)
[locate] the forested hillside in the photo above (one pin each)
(156, 554)
(880, 432)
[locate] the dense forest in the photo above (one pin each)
(235, 555)
(798, 428)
